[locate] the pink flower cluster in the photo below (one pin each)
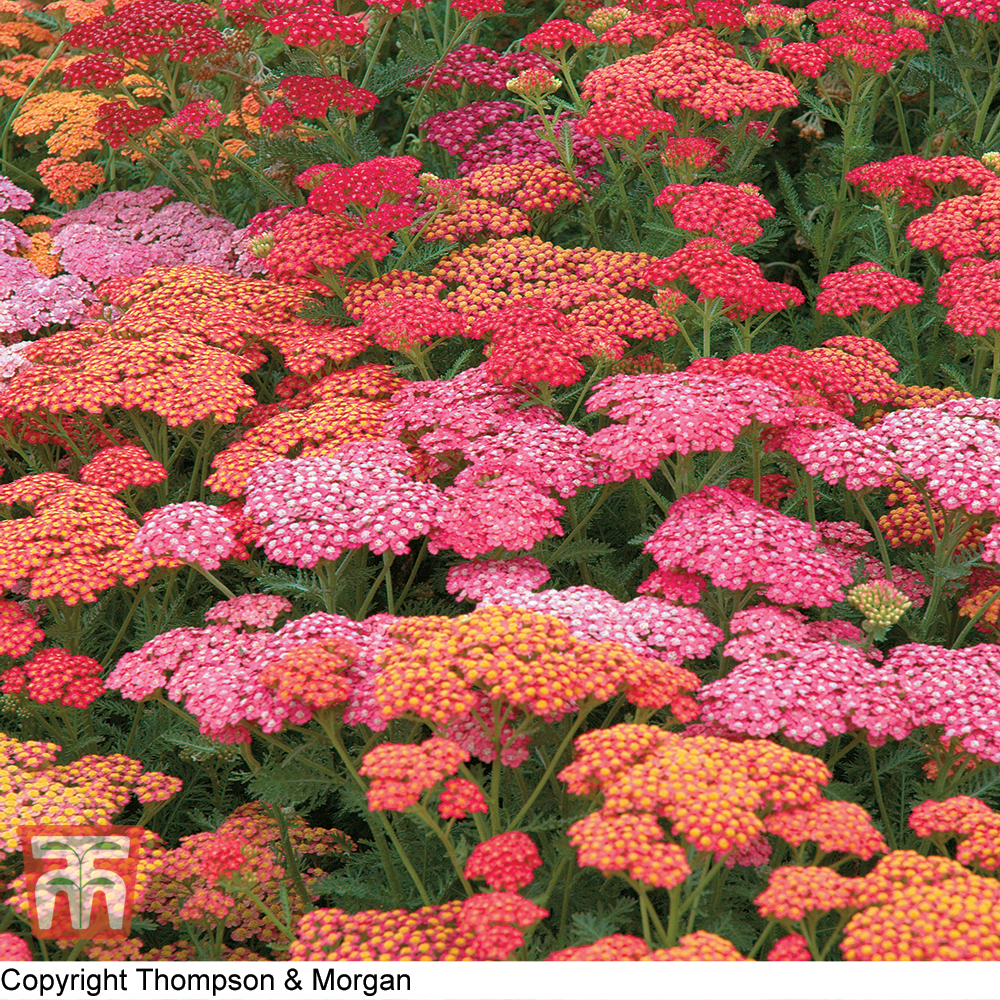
(649, 626)
(124, 233)
(802, 679)
(30, 301)
(215, 671)
(316, 508)
(738, 543)
(194, 532)
(657, 416)
(484, 579)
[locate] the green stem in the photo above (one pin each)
(883, 812)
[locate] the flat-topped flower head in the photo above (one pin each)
(528, 660)
(803, 680)
(506, 861)
(19, 630)
(793, 892)
(865, 286)
(730, 212)
(649, 626)
(699, 946)
(657, 416)
(314, 675)
(431, 933)
(402, 772)
(912, 179)
(193, 532)
(77, 541)
(737, 543)
(954, 689)
(713, 791)
(832, 826)
(914, 908)
(459, 797)
(484, 579)
(55, 675)
(709, 264)
(315, 508)
(118, 467)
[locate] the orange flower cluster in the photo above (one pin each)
(312, 674)
(526, 659)
(908, 523)
(76, 542)
(976, 826)
(171, 373)
(15, 28)
(531, 186)
(692, 67)
(701, 946)
(402, 772)
(229, 312)
(430, 934)
(909, 908)
(923, 909)
(180, 884)
(34, 791)
(341, 407)
(483, 927)
(714, 791)
(68, 179)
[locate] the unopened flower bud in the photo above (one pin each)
(606, 17)
(261, 246)
(990, 160)
(882, 603)
(534, 83)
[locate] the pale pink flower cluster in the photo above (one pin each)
(215, 671)
(124, 233)
(11, 196)
(12, 237)
(193, 532)
(316, 508)
(482, 579)
(649, 626)
(253, 610)
(207, 671)
(660, 415)
(737, 543)
(31, 301)
(803, 680)
(13, 360)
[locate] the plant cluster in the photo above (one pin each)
(491, 482)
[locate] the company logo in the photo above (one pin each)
(81, 879)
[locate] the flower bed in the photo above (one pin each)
(488, 485)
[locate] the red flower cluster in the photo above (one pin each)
(506, 861)
(866, 286)
(912, 179)
(54, 675)
(731, 213)
(716, 272)
(119, 121)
